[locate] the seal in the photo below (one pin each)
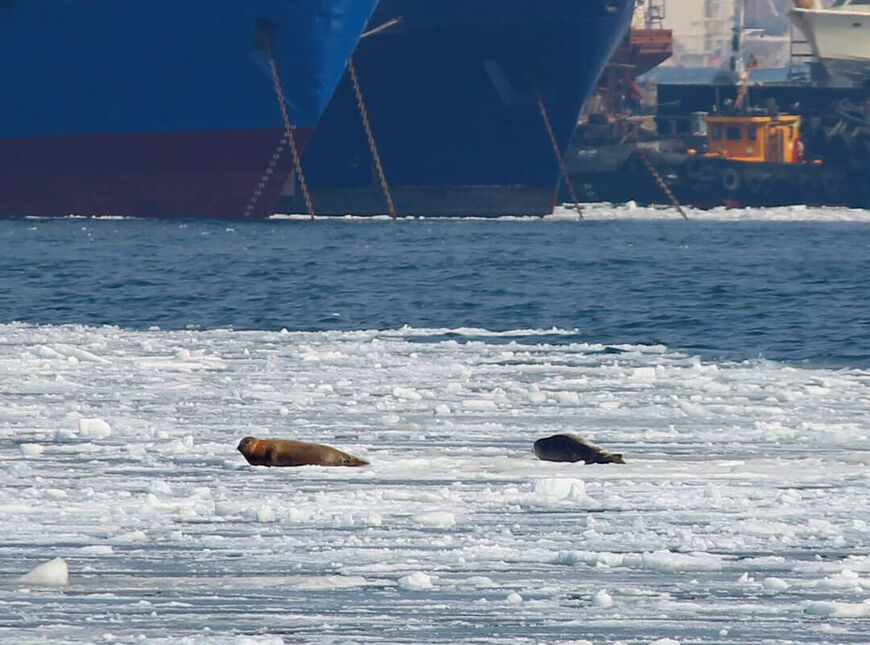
(570, 447)
(284, 452)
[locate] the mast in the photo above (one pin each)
(737, 65)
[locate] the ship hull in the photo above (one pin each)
(840, 39)
(450, 94)
(160, 108)
(219, 174)
(442, 200)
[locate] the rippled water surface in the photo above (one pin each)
(785, 290)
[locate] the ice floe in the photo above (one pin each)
(739, 517)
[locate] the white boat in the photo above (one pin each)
(839, 34)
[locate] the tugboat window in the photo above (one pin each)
(751, 132)
(733, 133)
(716, 132)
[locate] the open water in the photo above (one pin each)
(783, 290)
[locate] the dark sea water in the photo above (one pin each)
(795, 291)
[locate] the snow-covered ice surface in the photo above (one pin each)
(741, 515)
(633, 211)
(795, 213)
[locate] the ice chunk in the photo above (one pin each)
(480, 405)
(79, 354)
(98, 549)
(53, 573)
(602, 599)
(482, 582)
(436, 519)
(839, 609)
(643, 374)
(94, 428)
(571, 398)
(775, 584)
(407, 394)
(31, 449)
(692, 409)
(560, 487)
(417, 581)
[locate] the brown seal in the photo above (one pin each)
(570, 447)
(283, 452)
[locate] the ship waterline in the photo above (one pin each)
(231, 174)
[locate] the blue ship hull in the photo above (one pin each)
(162, 108)
(450, 97)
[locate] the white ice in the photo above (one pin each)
(742, 514)
(632, 211)
(53, 573)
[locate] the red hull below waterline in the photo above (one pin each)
(233, 175)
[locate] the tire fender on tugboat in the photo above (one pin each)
(730, 180)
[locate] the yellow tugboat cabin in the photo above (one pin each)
(754, 138)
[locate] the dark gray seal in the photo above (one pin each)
(570, 447)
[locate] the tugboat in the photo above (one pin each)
(817, 154)
(748, 157)
(754, 158)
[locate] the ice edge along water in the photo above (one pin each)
(740, 517)
(606, 211)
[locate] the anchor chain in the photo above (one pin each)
(288, 129)
(652, 170)
(351, 68)
(562, 167)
